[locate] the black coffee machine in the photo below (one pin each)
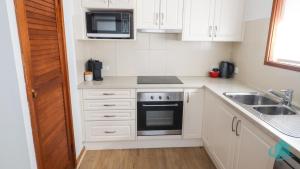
(95, 66)
(226, 69)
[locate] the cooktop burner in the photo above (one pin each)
(158, 80)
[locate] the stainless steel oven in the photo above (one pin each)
(110, 24)
(159, 113)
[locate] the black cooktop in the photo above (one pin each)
(158, 80)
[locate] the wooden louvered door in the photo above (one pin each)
(42, 41)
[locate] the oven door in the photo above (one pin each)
(108, 25)
(159, 118)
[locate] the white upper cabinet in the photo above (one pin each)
(193, 109)
(148, 14)
(121, 4)
(229, 20)
(213, 20)
(95, 3)
(171, 14)
(198, 20)
(160, 14)
(114, 4)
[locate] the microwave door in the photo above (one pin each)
(107, 25)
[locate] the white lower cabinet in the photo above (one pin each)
(192, 114)
(231, 140)
(252, 148)
(223, 137)
(109, 115)
(110, 130)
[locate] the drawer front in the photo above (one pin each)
(109, 115)
(109, 94)
(110, 131)
(115, 104)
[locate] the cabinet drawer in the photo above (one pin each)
(115, 104)
(108, 115)
(110, 131)
(109, 94)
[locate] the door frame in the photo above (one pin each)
(26, 53)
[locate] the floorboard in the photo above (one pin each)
(173, 158)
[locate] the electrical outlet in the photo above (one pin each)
(236, 70)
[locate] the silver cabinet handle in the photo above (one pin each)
(109, 105)
(188, 97)
(232, 124)
(210, 31)
(161, 105)
(162, 17)
(156, 18)
(109, 116)
(237, 126)
(215, 31)
(109, 132)
(108, 94)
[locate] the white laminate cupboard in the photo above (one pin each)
(252, 147)
(160, 15)
(113, 4)
(229, 20)
(213, 20)
(109, 114)
(231, 140)
(148, 14)
(192, 115)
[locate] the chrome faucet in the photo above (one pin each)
(285, 95)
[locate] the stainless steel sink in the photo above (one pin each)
(251, 98)
(271, 110)
(275, 110)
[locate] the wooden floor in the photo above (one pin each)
(175, 158)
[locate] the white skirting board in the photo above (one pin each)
(144, 143)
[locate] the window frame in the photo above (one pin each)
(276, 13)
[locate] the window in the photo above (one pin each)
(283, 49)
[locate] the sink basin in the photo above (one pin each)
(251, 98)
(275, 110)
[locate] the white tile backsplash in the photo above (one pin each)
(153, 54)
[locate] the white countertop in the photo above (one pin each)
(217, 86)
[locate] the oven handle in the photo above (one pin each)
(161, 105)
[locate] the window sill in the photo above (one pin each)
(283, 66)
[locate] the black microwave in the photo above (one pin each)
(110, 24)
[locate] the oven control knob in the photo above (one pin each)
(151, 97)
(160, 97)
(168, 97)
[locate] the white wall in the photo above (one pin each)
(16, 144)
(68, 21)
(153, 54)
(249, 55)
(258, 9)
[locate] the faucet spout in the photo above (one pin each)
(286, 95)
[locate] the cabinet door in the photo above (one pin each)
(95, 3)
(224, 138)
(229, 20)
(208, 120)
(171, 14)
(198, 20)
(148, 14)
(193, 108)
(252, 148)
(121, 4)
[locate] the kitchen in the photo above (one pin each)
(151, 84)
